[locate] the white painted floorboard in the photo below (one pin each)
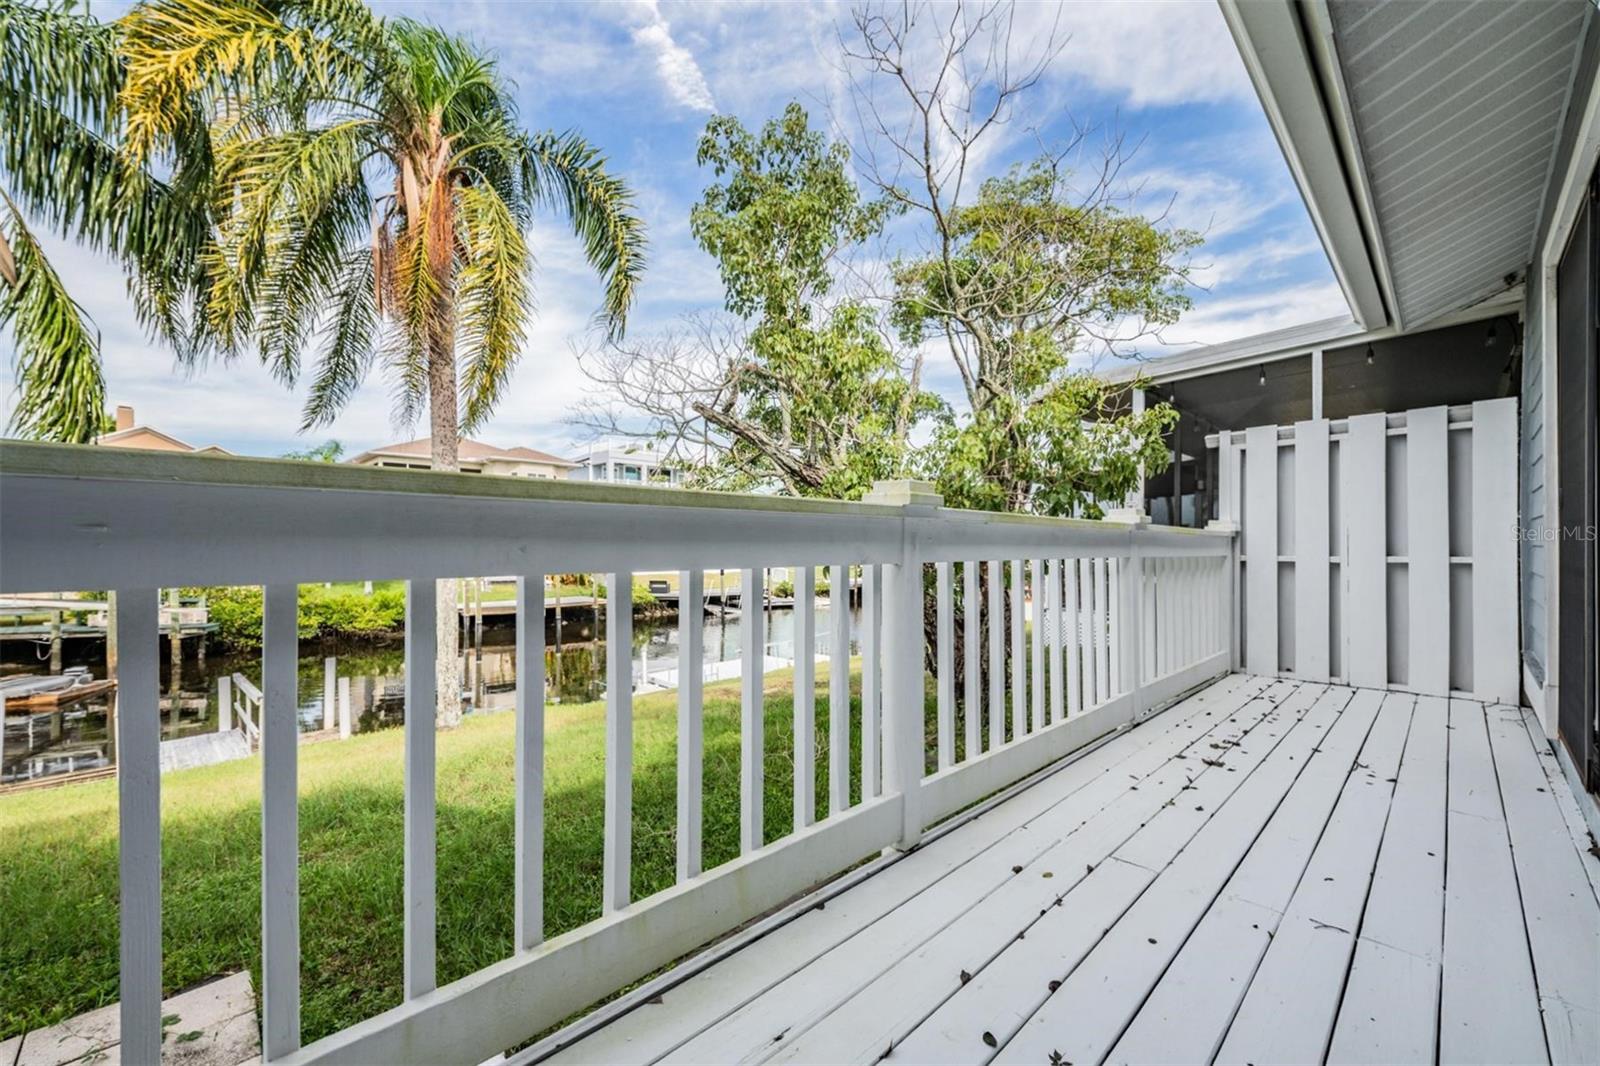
(1272, 871)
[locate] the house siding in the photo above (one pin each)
(1538, 490)
(1534, 494)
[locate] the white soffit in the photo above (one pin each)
(1457, 109)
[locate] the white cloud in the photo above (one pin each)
(1150, 53)
(1230, 318)
(1254, 261)
(675, 63)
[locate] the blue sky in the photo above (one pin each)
(640, 79)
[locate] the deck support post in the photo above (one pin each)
(903, 698)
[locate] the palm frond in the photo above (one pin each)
(349, 336)
(61, 391)
(566, 171)
(495, 300)
(58, 102)
(177, 49)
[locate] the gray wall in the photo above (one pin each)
(1537, 492)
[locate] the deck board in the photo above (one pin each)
(1289, 1010)
(1084, 1017)
(1341, 894)
(762, 1027)
(1190, 1009)
(1020, 940)
(1390, 1007)
(1558, 902)
(1489, 1009)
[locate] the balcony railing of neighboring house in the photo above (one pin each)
(1124, 619)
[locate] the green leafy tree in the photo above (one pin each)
(62, 171)
(327, 452)
(1028, 275)
(373, 192)
(802, 390)
(1041, 265)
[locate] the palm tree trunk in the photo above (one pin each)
(444, 422)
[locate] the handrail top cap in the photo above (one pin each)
(904, 492)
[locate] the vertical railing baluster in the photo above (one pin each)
(280, 821)
(1184, 595)
(751, 738)
(1181, 612)
(1102, 687)
(421, 854)
(1147, 620)
(1221, 604)
(972, 707)
(945, 656)
(1163, 616)
(805, 698)
(1115, 619)
(1052, 583)
(871, 682)
(1174, 615)
(528, 768)
(1072, 617)
(839, 690)
(617, 873)
(1085, 636)
(1036, 703)
(138, 758)
(997, 654)
(1196, 614)
(691, 720)
(1019, 653)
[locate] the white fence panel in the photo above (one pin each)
(1392, 517)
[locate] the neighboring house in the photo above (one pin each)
(476, 457)
(129, 434)
(629, 462)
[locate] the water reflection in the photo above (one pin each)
(78, 738)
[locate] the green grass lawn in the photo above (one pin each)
(58, 855)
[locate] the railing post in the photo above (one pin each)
(224, 704)
(903, 699)
(1231, 585)
(138, 736)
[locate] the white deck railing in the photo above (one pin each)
(1125, 618)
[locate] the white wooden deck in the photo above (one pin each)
(1270, 872)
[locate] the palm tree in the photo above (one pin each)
(373, 191)
(61, 165)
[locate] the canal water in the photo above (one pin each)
(78, 739)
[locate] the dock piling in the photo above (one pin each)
(330, 681)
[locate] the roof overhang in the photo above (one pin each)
(1282, 59)
(1294, 342)
(1422, 137)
